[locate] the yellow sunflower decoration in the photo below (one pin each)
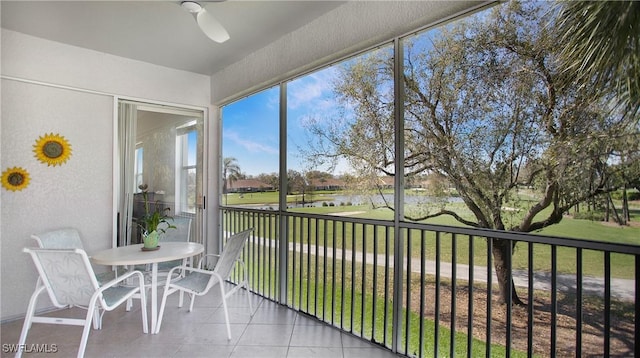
(15, 179)
(52, 149)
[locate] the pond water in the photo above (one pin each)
(341, 199)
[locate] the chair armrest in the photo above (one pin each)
(239, 261)
(201, 261)
(123, 296)
(121, 278)
(187, 268)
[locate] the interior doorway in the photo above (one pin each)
(160, 150)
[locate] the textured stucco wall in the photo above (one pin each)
(33, 58)
(80, 192)
(77, 193)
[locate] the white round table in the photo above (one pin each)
(134, 255)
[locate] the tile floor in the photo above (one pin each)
(273, 331)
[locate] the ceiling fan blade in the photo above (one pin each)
(211, 27)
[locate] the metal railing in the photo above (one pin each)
(343, 271)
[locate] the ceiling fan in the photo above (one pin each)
(207, 22)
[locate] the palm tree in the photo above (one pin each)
(602, 52)
(230, 173)
(601, 47)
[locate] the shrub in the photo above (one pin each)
(589, 215)
(631, 195)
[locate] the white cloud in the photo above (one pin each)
(314, 90)
(249, 145)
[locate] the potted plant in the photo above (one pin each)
(151, 222)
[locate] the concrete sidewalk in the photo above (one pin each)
(621, 289)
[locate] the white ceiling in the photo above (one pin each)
(161, 32)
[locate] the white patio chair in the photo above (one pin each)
(69, 238)
(66, 238)
(68, 278)
(197, 282)
(181, 233)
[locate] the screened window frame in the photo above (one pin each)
(182, 157)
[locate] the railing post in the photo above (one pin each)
(398, 263)
(637, 306)
(283, 243)
(283, 260)
(402, 335)
(398, 200)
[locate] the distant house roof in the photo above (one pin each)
(245, 184)
(327, 183)
(387, 181)
(425, 183)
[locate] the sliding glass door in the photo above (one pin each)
(160, 151)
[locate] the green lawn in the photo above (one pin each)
(267, 198)
(368, 311)
(344, 309)
(593, 262)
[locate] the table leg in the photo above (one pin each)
(154, 297)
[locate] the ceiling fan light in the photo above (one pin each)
(191, 6)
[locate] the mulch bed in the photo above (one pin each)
(622, 321)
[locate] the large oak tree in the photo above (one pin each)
(487, 108)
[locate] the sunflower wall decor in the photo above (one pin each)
(15, 179)
(52, 149)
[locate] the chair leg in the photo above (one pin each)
(245, 284)
(246, 287)
(91, 311)
(97, 319)
(192, 298)
(143, 309)
(181, 300)
(26, 326)
(224, 306)
(167, 292)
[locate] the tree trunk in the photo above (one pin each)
(625, 206)
(502, 264)
(615, 211)
(224, 190)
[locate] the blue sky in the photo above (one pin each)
(250, 130)
(250, 125)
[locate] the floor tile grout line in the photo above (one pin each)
(282, 314)
(235, 347)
